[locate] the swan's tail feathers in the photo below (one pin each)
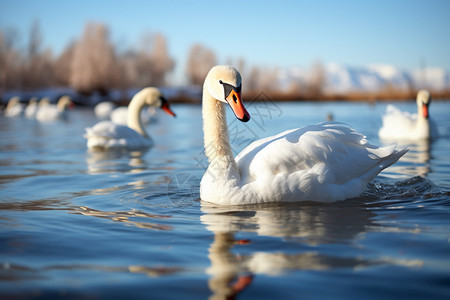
(393, 157)
(385, 157)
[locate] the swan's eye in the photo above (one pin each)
(220, 81)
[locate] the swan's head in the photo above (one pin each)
(224, 83)
(153, 97)
(44, 101)
(13, 101)
(423, 101)
(65, 102)
(33, 101)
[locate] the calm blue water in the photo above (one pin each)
(130, 225)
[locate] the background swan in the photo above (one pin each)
(103, 109)
(32, 108)
(404, 126)
(108, 135)
(14, 107)
(48, 112)
(322, 162)
(44, 102)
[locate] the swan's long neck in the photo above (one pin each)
(134, 116)
(216, 139)
(423, 129)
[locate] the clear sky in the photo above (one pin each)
(403, 33)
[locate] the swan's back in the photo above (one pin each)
(108, 135)
(322, 162)
(103, 109)
(119, 115)
(397, 124)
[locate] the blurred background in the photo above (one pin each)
(291, 50)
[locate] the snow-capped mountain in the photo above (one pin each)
(341, 78)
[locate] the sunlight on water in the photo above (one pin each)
(130, 224)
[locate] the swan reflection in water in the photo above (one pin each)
(119, 160)
(312, 224)
(416, 162)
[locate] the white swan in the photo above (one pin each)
(48, 112)
(44, 102)
(32, 108)
(14, 107)
(103, 109)
(323, 162)
(108, 135)
(403, 126)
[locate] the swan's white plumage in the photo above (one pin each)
(323, 162)
(404, 126)
(103, 110)
(14, 107)
(32, 108)
(108, 135)
(49, 112)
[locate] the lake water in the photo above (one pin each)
(127, 225)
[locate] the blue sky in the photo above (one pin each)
(266, 33)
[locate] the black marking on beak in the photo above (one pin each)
(228, 88)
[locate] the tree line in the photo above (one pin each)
(89, 64)
(92, 63)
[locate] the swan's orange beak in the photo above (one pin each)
(425, 111)
(234, 100)
(166, 107)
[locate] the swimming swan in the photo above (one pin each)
(49, 112)
(323, 162)
(103, 109)
(32, 108)
(403, 126)
(108, 135)
(14, 107)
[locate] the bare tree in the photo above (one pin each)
(143, 61)
(161, 62)
(268, 79)
(200, 61)
(38, 66)
(94, 61)
(10, 61)
(63, 65)
(253, 79)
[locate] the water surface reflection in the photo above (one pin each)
(309, 226)
(99, 162)
(416, 162)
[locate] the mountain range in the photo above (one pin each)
(340, 78)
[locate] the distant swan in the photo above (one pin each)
(14, 107)
(108, 135)
(403, 126)
(323, 162)
(32, 108)
(48, 112)
(103, 110)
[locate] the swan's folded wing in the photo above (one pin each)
(107, 134)
(333, 153)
